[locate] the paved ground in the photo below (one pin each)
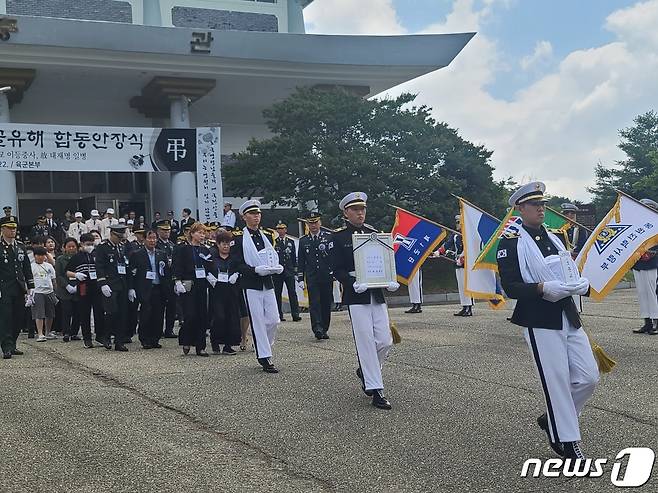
(464, 393)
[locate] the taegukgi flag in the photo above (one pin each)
(477, 228)
(414, 239)
(619, 240)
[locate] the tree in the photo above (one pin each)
(327, 143)
(636, 175)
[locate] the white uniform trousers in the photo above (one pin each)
(336, 292)
(416, 288)
(461, 284)
(373, 339)
(645, 283)
(568, 374)
(264, 317)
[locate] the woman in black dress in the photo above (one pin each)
(193, 269)
(225, 330)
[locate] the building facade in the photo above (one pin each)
(174, 63)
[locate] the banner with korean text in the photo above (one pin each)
(619, 240)
(32, 147)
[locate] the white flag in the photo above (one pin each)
(477, 227)
(620, 239)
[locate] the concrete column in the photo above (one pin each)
(183, 184)
(152, 13)
(7, 178)
(296, 17)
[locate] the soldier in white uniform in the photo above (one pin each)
(77, 228)
(416, 293)
(645, 273)
(109, 220)
(94, 224)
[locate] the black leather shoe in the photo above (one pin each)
(120, 347)
(16, 352)
(379, 401)
(268, 366)
(281, 319)
(572, 450)
(359, 374)
(460, 313)
(325, 335)
(66, 339)
(157, 346)
(6, 356)
(296, 319)
(542, 421)
(202, 353)
(318, 335)
(89, 345)
(648, 325)
(469, 312)
(147, 346)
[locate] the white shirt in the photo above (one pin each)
(105, 227)
(93, 225)
(77, 229)
(229, 219)
(43, 277)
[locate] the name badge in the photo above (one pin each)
(150, 275)
(92, 275)
(223, 277)
(200, 273)
(121, 269)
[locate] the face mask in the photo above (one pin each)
(97, 241)
(88, 248)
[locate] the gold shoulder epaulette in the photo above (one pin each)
(237, 232)
(510, 235)
(342, 228)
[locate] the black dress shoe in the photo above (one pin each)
(281, 319)
(379, 401)
(318, 335)
(202, 352)
(359, 374)
(325, 335)
(572, 451)
(6, 356)
(460, 313)
(186, 349)
(648, 325)
(157, 345)
(296, 319)
(120, 347)
(229, 350)
(89, 345)
(268, 366)
(16, 352)
(147, 346)
(542, 421)
(66, 339)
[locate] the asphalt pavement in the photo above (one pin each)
(464, 393)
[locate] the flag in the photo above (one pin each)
(554, 221)
(414, 239)
(619, 240)
(477, 228)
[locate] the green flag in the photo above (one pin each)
(553, 220)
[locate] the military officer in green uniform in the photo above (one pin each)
(15, 283)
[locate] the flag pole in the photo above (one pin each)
(570, 220)
(424, 218)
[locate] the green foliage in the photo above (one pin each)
(636, 175)
(326, 143)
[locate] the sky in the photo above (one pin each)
(545, 84)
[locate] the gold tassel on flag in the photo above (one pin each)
(397, 338)
(604, 362)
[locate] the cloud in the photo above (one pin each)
(543, 52)
(558, 127)
(350, 17)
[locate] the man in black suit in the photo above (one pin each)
(286, 249)
(186, 219)
(315, 273)
(167, 246)
(150, 276)
(530, 270)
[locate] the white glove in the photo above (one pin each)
(81, 276)
(234, 278)
(29, 300)
(132, 295)
(360, 287)
(211, 279)
(277, 269)
(301, 285)
(393, 286)
(179, 288)
(263, 270)
(71, 289)
(106, 290)
(581, 287)
(555, 291)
